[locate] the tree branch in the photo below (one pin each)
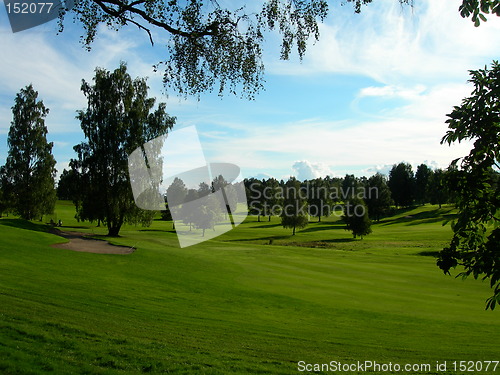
(211, 29)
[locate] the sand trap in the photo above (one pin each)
(78, 242)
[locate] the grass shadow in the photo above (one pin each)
(157, 230)
(26, 225)
(257, 239)
(432, 216)
(267, 225)
(434, 254)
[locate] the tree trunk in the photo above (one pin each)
(269, 218)
(258, 218)
(113, 231)
(293, 234)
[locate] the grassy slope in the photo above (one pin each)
(237, 304)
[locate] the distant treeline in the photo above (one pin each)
(401, 188)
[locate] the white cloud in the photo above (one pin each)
(391, 91)
(56, 72)
(389, 43)
(382, 169)
(419, 57)
(60, 166)
(410, 132)
(261, 176)
(305, 170)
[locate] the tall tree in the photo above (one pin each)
(30, 167)
(422, 176)
(119, 118)
(256, 199)
(475, 245)
(349, 188)
(68, 186)
(229, 195)
(273, 198)
(4, 204)
(204, 189)
(402, 182)
(378, 196)
(176, 192)
(187, 213)
(318, 198)
(207, 213)
(175, 196)
(294, 214)
(438, 192)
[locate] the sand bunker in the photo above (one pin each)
(79, 242)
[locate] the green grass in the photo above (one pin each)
(237, 304)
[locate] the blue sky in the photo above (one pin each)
(372, 92)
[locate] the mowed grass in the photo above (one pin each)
(255, 300)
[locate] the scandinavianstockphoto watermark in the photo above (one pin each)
(204, 198)
(322, 200)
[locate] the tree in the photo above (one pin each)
(209, 46)
(476, 9)
(176, 192)
(204, 189)
(318, 198)
(29, 171)
(68, 186)
(229, 200)
(207, 213)
(350, 187)
(294, 214)
(475, 245)
(188, 214)
(402, 182)
(256, 200)
(4, 204)
(438, 191)
(273, 198)
(422, 176)
(166, 214)
(175, 196)
(119, 118)
(356, 218)
(378, 196)
(212, 47)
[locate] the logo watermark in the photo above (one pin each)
(204, 199)
(280, 200)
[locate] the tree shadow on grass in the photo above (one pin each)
(25, 224)
(426, 217)
(256, 239)
(434, 254)
(267, 225)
